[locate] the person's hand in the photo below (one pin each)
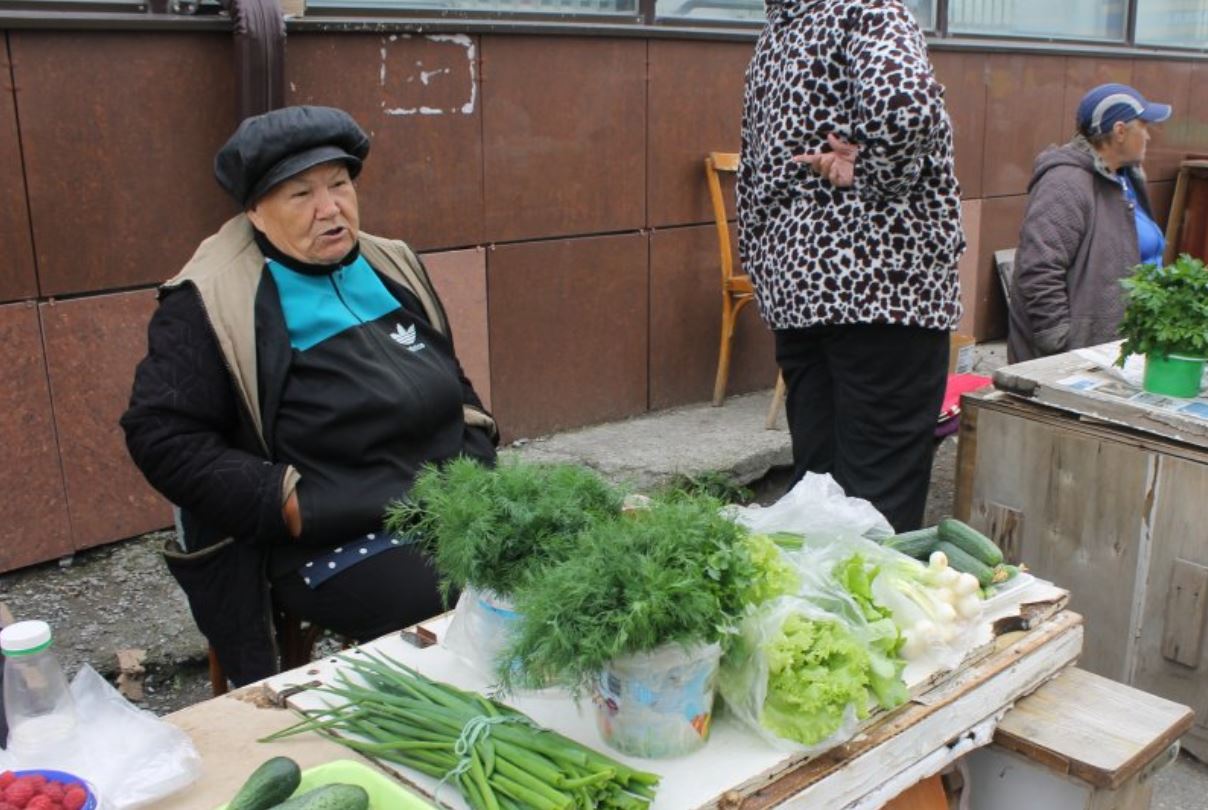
(292, 515)
(836, 166)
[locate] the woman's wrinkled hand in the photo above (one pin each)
(836, 166)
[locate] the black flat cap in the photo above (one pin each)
(267, 149)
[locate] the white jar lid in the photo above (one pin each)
(24, 638)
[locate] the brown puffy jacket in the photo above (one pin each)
(1079, 238)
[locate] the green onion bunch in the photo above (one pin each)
(495, 756)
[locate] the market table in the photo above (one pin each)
(1101, 487)
(945, 719)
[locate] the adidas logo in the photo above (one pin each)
(406, 337)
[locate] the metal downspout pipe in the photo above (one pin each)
(260, 54)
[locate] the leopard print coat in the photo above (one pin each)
(884, 250)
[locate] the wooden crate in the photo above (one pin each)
(1118, 516)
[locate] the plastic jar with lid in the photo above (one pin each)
(37, 703)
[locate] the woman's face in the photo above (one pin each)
(312, 216)
(1131, 146)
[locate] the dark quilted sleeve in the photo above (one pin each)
(899, 117)
(183, 414)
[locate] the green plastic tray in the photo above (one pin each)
(384, 792)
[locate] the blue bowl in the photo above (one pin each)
(66, 779)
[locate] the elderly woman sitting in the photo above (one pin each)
(298, 375)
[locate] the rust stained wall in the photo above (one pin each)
(119, 132)
(17, 278)
(554, 183)
(420, 100)
(564, 146)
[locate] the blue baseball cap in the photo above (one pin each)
(1102, 107)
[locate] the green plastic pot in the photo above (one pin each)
(1173, 375)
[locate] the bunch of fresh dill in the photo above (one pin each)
(676, 572)
(491, 528)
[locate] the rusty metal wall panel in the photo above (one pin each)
(1023, 116)
(1083, 73)
(564, 145)
(92, 347)
(1000, 221)
(569, 338)
(685, 323)
(967, 267)
(17, 278)
(964, 78)
(1170, 83)
(1160, 196)
(119, 131)
(695, 108)
(1197, 107)
(420, 99)
(460, 278)
(33, 511)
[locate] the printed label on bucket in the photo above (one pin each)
(654, 707)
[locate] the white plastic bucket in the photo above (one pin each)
(483, 623)
(658, 703)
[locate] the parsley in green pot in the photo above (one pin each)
(1166, 319)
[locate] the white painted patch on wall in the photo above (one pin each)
(426, 77)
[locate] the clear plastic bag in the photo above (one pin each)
(481, 627)
(748, 669)
(658, 703)
(817, 508)
(129, 755)
(897, 587)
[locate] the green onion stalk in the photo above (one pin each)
(494, 755)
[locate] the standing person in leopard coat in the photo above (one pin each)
(849, 226)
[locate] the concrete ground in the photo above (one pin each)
(120, 596)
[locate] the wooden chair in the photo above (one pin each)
(295, 641)
(736, 290)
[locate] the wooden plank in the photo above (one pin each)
(1003, 402)
(1004, 526)
(1180, 514)
(1040, 380)
(966, 457)
(1095, 729)
(1183, 631)
(1085, 500)
(224, 730)
(840, 777)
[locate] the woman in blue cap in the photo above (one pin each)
(299, 373)
(1088, 223)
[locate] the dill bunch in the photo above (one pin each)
(677, 571)
(491, 527)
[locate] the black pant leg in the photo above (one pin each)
(889, 386)
(389, 591)
(809, 399)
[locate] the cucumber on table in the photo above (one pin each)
(970, 540)
(335, 796)
(918, 544)
(272, 783)
(966, 563)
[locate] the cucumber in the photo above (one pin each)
(336, 796)
(269, 785)
(971, 540)
(966, 563)
(917, 544)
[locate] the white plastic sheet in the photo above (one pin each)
(129, 755)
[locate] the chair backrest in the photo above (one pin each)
(716, 163)
(1004, 264)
